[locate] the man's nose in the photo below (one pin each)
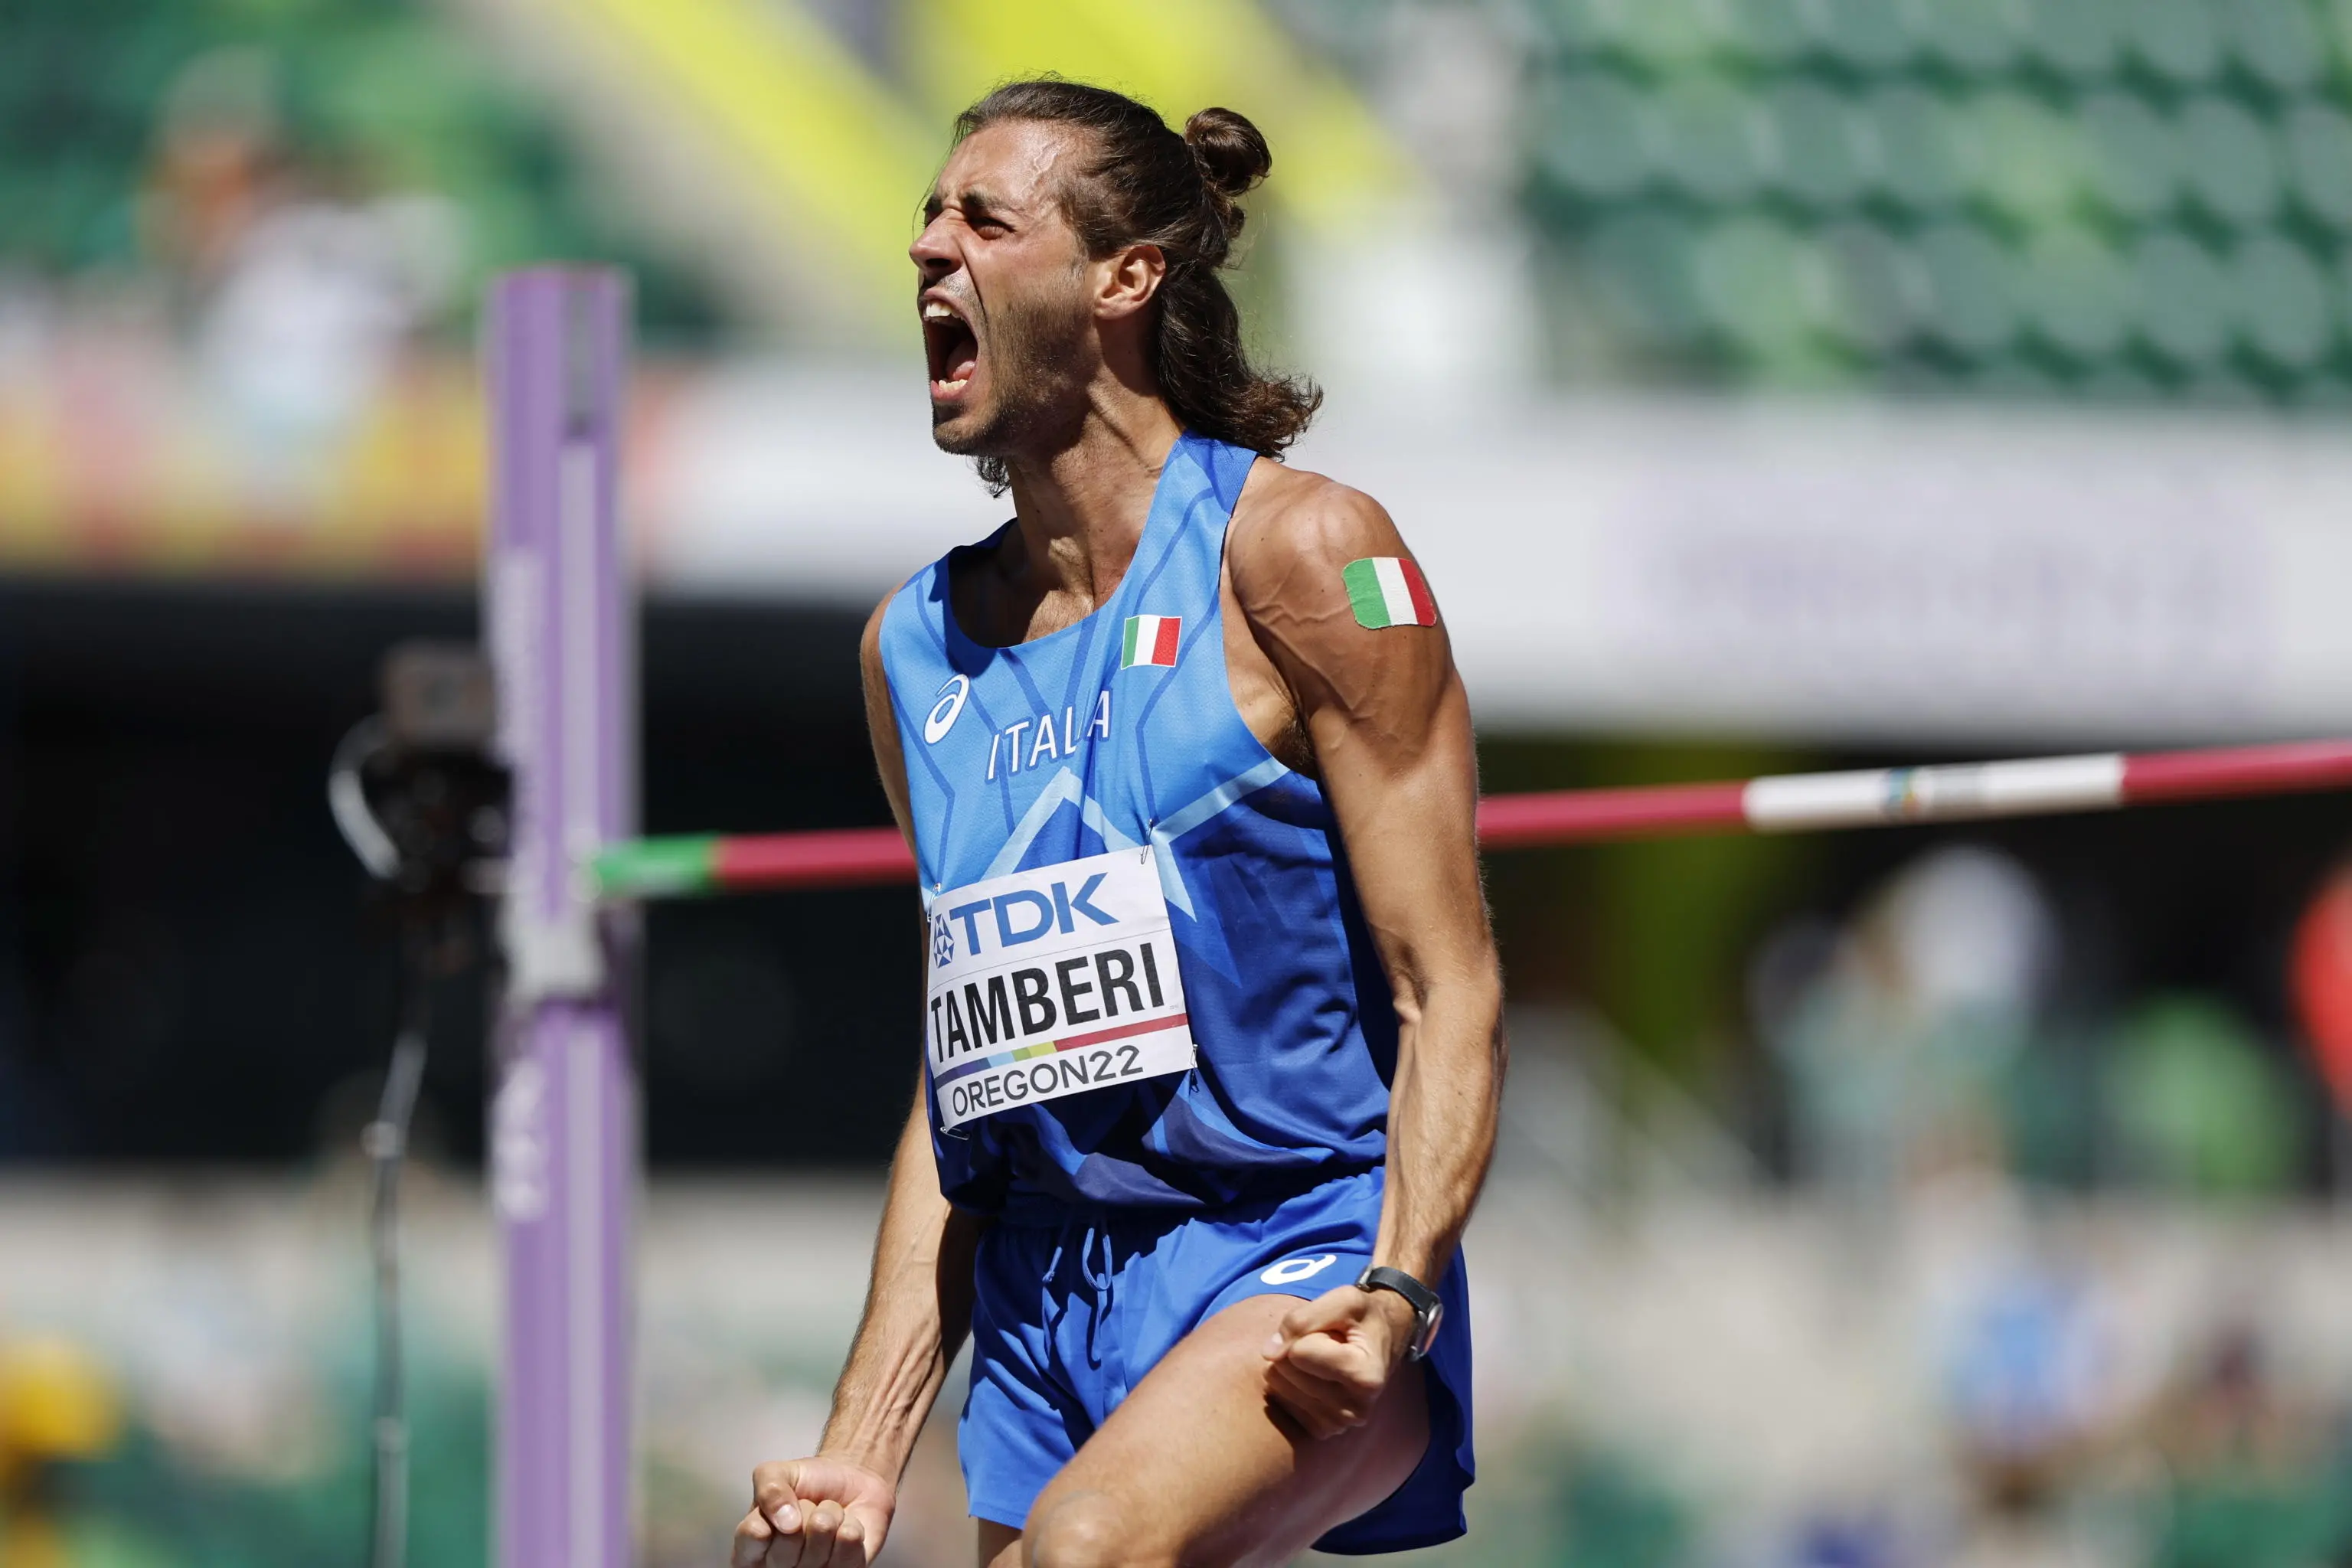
(932, 254)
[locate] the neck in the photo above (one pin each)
(1081, 507)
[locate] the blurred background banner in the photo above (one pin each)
(1766, 384)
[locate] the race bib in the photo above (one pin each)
(1052, 982)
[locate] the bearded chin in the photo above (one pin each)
(980, 435)
(1011, 425)
(1034, 399)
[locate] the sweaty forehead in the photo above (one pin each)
(1012, 164)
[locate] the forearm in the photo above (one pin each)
(1443, 1108)
(918, 1310)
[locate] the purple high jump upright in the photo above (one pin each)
(560, 622)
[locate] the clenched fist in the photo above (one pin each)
(1330, 1360)
(814, 1513)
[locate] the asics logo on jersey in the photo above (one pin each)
(946, 709)
(1291, 1271)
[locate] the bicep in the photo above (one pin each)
(1401, 773)
(1389, 723)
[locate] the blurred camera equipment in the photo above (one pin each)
(417, 795)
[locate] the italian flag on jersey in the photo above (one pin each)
(1151, 639)
(1389, 591)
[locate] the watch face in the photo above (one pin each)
(1428, 1336)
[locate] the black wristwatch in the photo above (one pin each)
(1427, 1309)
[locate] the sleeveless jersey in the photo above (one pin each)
(1121, 732)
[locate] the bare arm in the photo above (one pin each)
(1390, 724)
(918, 1312)
(919, 1298)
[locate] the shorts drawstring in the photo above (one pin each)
(1103, 1285)
(1057, 1302)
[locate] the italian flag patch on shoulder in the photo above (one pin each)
(1389, 591)
(1151, 640)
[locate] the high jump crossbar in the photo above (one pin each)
(1787, 803)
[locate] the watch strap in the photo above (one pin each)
(1421, 1298)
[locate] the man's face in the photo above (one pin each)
(1004, 292)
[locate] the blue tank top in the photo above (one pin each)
(1115, 732)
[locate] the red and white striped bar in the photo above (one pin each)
(1881, 797)
(1789, 802)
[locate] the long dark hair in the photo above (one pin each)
(1146, 184)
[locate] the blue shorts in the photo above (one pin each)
(1069, 1318)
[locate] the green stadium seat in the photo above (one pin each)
(1968, 36)
(1871, 277)
(1589, 135)
(2284, 311)
(1709, 138)
(1819, 150)
(2135, 154)
(1919, 146)
(2177, 40)
(2183, 297)
(2074, 38)
(2029, 162)
(1862, 35)
(2318, 139)
(2278, 42)
(2227, 160)
(1642, 278)
(1759, 283)
(1769, 32)
(1972, 303)
(2078, 292)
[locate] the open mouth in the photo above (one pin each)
(952, 347)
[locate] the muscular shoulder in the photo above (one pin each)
(880, 723)
(873, 669)
(869, 641)
(1294, 532)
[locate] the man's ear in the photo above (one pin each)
(1130, 276)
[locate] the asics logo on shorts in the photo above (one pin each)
(1291, 1271)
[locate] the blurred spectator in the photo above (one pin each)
(316, 299)
(1895, 1044)
(1839, 1539)
(2032, 1396)
(2252, 1486)
(218, 160)
(304, 295)
(2198, 1103)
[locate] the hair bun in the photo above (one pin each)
(1232, 151)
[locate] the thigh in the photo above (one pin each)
(1198, 1467)
(1022, 1421)
(1000, 1544)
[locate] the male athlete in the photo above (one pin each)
(1211, 1007)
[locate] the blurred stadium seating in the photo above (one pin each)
(138, 139)
(2125, 200)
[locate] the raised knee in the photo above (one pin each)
(1086, 1530)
